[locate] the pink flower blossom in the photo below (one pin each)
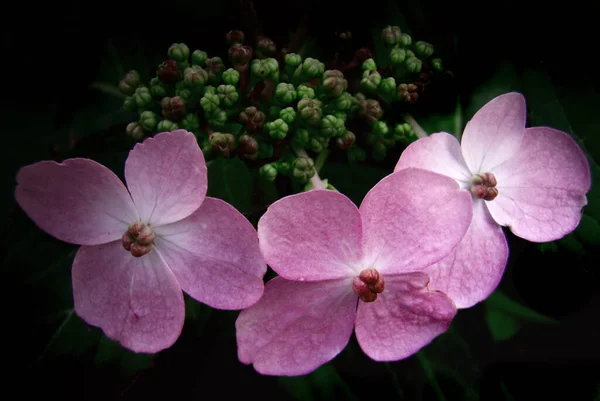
(142, 247)
(531, 180)
(343, 267)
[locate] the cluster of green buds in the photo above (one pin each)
(264, 110)
(407, 70)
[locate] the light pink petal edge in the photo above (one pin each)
(215, 256)
(77, 201)
(167, 177)
(296, 326)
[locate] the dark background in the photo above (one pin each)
(52, 53)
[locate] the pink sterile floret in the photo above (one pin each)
(142, 247)
(531, 180)
(341, 267)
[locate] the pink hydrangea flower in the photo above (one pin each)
(142, 247)
(341, 267)
(531, 180)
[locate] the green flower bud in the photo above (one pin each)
(317, 145)
(173, 108)
(183, 65)
(210, 89)
(222, 143)
(346, 140)
(191, 123)
(272, 65)
(380, 128)
(199, 57)
(436, 63)
(217, 118)
(303, 169)
(341, 115)
(356, 154)
(371, 80)
(166, 126)
(183, 91)
(284, 167)
(369, 65)
(309, 111)
(404, 133)
(379, 151)
(277, 129)
(259, 69)
(157, 88)
(414, 64)
(410, 53)
(148, 120)
(397, 56)
(388, 86)
(331, 126)
(179, 52)
(129, 104)
(301, 138)
(305, 91)
(288, 115)
(231, 77)
(265, 150)
(194, 76)
(312, 68)
(424, 49)
(344, 102)
(129, 83)
(268, 172)
(334, 83)
(391, 35)
(285, 93)
(404, 40)
(210, 102)
(142, 97)
(135, 131)
(227, 95)
(252, 118)
(292, 60)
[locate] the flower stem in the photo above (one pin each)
(315, 180)
(458, 120)
(419, 131)
(321, 157)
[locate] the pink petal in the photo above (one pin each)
(214, 255)
(77, 201)
(404, 318)
(296, 326)
(167, 177)
(495, 132)
(472, 271)
(136, 301)
(440, 153)
(315, 235)
(542, 190)
(413, 218)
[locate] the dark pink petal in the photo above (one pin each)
(472, 271)
(413, 218)
(166, 176)
(542, 190)
(440, 153)
(495, 132)
(77, 201)
(405, 317)
(214, 255)
(315, 235)
(136, 301)
(296, 326)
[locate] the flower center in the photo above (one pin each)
(368, 284)
(138, 239)
(483, 186)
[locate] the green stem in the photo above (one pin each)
(458, 120)
(315, 180)
(321, 158)
(426, 365)
(419, 131)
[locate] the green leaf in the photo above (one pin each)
(323, 384)
(505, 317)
(231, 181)
(353, 180)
